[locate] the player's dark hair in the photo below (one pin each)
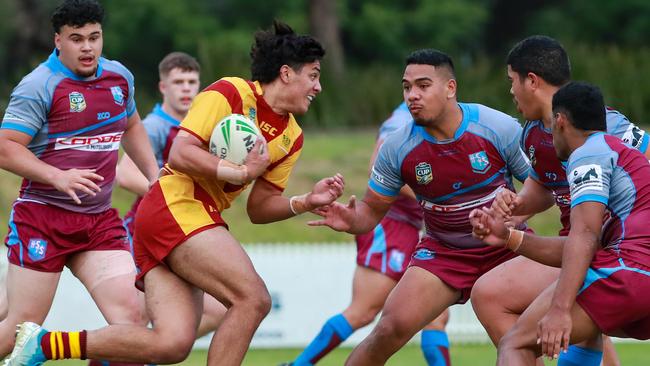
(77, 13)
(583, 105)
(544, 57)
(280, 46)
(178, 60)
(433, 57)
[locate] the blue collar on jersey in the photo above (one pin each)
(470, 113)
(56, 65)
(158, 111)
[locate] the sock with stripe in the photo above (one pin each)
(579, 356)
(435, 347)
(61, 345)
(334, 332)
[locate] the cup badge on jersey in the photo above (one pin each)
(423, 173)
(77, 102)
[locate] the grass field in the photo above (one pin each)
(631, 354)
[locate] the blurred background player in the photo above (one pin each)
(182, 245)
(179, 84)
(604, 259)
(456, 156)
(537, 67)
(61, 132)
(382, 256)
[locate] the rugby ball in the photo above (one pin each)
(233, 138)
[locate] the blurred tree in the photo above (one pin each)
(324, 25)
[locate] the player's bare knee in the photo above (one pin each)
(172, 345)
(389, 328)
(262, 304)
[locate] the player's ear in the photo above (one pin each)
(534, 80)
(57, 41)
(285, 73)
(451, 88)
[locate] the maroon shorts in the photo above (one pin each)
(163, 224)
(615, 295)
(42, 237)
(387, 248)
(458, 268)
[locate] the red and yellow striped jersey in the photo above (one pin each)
(229, 95)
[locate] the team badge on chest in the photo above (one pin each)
(118, 96)
(423, 173)
(77, 102)
(480, 162)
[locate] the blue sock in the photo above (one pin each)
(334, 332)
(579, 356)
(435, 347)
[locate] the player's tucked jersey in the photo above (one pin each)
(404, 209)
(74, 123)
(608, 171)
(548, 170)
(451, 177)
(234, 95)
(161, 129)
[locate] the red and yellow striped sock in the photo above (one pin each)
(60, 345)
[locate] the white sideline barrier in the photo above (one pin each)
(308, 283)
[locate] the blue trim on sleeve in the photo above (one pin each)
(131, 110)
(644, 144)
(589, 198)
(89, 128)
(19, 128)
(381, 190)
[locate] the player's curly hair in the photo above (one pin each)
(279, 46)
(543, 56)
(77, 13)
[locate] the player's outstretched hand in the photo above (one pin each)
(553, 332)
(73, 180)
(505, 202)
(489, 226)
(325, 191)
(257, 160)
(336, 215)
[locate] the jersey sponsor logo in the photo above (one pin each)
(118, 95)
(99, 143)
(376, 176)
(396, 260)
(586, 177)
(479, 162)
(268, 128)
(286, 141)
(531, 155)
(36, 249)
(562, 199)
(12, 117)
(77, 102)
(424, 254)
(423, 173)
(633, 136)
(252, 113)
(103, 115)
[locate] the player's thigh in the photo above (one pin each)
(418, 298)
(29, 293)
(109, 276)
(370, 289)
(173, 305)
(512, 285)
(214, 261)
(4, 306)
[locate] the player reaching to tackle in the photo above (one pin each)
(182, 244)
(604, 259)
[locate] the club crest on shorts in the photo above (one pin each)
(396, 260)
(423, 173)
(118, 96)
(77, 102)
(480, 162)
(36, 249)
(424, 254)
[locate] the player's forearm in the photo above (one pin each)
(17, 159)
(366, 219)
(130, 177)
(271, 209)
(136, 144)
(534, 198)
(545, 250)
(578, 253)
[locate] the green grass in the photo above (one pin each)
(631, 354)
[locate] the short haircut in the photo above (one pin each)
(433, 57)
(544, 57)
(583, 105)
(280, 46)
(77, 13)
(178, 60)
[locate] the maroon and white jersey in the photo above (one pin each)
(452, 177)
(74, 123)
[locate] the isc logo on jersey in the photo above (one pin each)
(99, 143)
(586, 178)
(233, 138)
